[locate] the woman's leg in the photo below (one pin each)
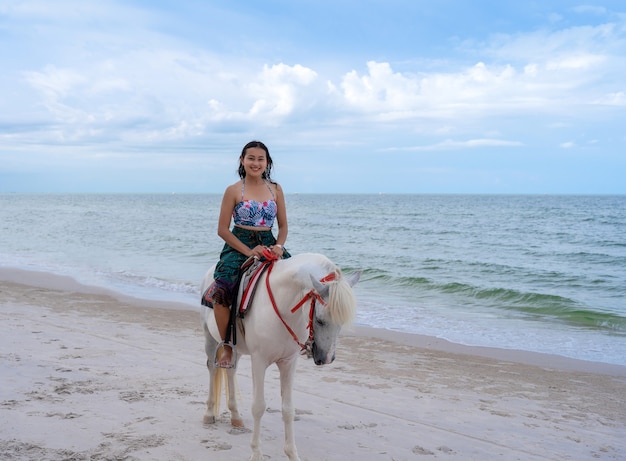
(222, 317)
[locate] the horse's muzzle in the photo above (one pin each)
(321, 357)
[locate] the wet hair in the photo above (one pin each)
(267, 174)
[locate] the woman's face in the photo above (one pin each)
(254, 161)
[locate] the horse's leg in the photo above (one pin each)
(235, 418)
(215, 379)
(287, 369)
(258, 406)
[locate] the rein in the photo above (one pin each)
(312, 295)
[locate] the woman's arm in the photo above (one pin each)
(281, 216)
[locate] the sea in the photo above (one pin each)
(541, 273)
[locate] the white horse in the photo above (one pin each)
(301, 303)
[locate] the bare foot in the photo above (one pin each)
(226, 358)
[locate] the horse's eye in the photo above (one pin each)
(320, 322)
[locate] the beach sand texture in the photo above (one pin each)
(86, 375)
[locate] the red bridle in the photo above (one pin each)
(312, 295)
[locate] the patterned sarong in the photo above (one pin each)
(228, 268)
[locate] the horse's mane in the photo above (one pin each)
(341, 305)
(341, 301)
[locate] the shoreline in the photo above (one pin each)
(92, 374)
(64, 283)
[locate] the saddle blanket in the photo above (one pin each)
(251, 272)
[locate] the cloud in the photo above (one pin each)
(613, 99)
(135, 79)
(479, 90)
(575, 62)
(544, 45)
(450, 144)
(279, 90)
(590, 9)
(540, 70)
(127, 90)
(380, 89)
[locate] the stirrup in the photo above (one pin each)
(233, 359)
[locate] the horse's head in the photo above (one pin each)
(338, 310)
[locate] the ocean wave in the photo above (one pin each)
(153, 283)
(531, 305)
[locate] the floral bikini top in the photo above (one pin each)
(253, 213)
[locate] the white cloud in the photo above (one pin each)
(592, 9)
(574, 62)
(380, 89)
(613, 99)
(278, 90)
(480, 90)
(450, 144)
(543, 45)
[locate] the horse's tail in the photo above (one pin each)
(218, 384)
(221, 383)
(341, 300)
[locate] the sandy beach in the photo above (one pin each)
(87, 374)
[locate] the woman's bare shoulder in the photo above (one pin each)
(234, 187)
(233, 192)
(278, 190)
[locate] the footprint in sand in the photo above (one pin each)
(422, 451)
(222, 446)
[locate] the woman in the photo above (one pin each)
(253, 203)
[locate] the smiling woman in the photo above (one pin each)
(253, 203)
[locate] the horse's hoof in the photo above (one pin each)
(208, 420)
(237, 422)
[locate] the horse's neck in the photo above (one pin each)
(288, 301)
(290, 287)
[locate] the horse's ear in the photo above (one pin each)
(354, 277)
(321, 288)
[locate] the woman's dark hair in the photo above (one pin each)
(267, 174)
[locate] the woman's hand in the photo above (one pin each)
(277, 250)
(257, 251)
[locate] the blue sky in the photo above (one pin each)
(357, 96)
